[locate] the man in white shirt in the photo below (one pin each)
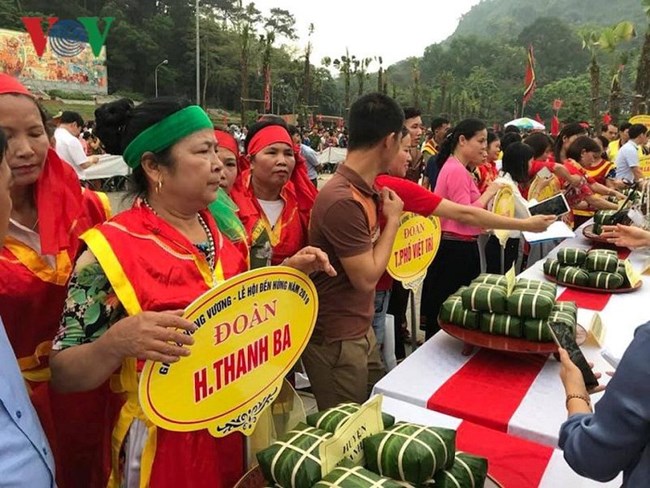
(627, 160)
(68, 145)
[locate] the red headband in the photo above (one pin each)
(269, 135)
(227, 141)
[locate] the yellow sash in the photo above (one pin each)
(126, 381)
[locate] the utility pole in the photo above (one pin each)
(198, 58)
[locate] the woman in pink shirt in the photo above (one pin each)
(457, 262)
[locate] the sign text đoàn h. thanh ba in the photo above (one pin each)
(67, 37)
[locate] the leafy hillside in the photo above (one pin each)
(479, 70)
(506, 18)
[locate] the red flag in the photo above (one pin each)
(607, 119)
(555, 126)
(267, 89)
(530, 82)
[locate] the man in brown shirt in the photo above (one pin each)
(342, 359)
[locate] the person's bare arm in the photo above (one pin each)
(562, 172)
(478, 217)
(638, 174)
(600, 203)
(148, 335)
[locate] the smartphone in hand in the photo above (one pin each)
(555, 205)
(563, 337)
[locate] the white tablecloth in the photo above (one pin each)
(558, 474)
(107, 167)
(623, 313)
(542, 410)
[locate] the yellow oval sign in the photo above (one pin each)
(252, 330)
(415, 246)
(641, 119)
(504, 205)
(541, 188)
(504, 202)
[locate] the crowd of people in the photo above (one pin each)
(86, 298)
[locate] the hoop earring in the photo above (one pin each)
(159, 186)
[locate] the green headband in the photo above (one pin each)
(166, 133)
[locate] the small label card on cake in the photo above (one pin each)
(347, 442)
(598, 330)
(632, 274)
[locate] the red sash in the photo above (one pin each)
(289, 234)
(152, 267)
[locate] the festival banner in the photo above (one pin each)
(251, 330)
(530, 79)
(416, 244)
(78, 70)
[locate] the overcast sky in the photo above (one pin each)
(393, 30)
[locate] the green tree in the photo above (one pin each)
(607, 39)
(642, 83)
(344, 65)
(360, 70)
(575, 108)
(245, 18)
(557, 49)
(307, 69)
(280, 22)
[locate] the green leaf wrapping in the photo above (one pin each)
(499, 324)
(604, 217)
(552, 267)
(491, 279)
(459, 292)
(453, 312)
(410, 452)
(526, 284)
(600, 261)
(537, 330)
(467, 472)
(573, 276)
(597, 229)
(570, 307)
(531, 304)
(569, 256)
(293, 461)
(355, 477)
(621, 271)
(485, 298)
(605, 281)
(333, 418)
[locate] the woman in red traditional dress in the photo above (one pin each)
(586, 198)
(274, 194)
(141, 269)
(488, 171)
(50, 212)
